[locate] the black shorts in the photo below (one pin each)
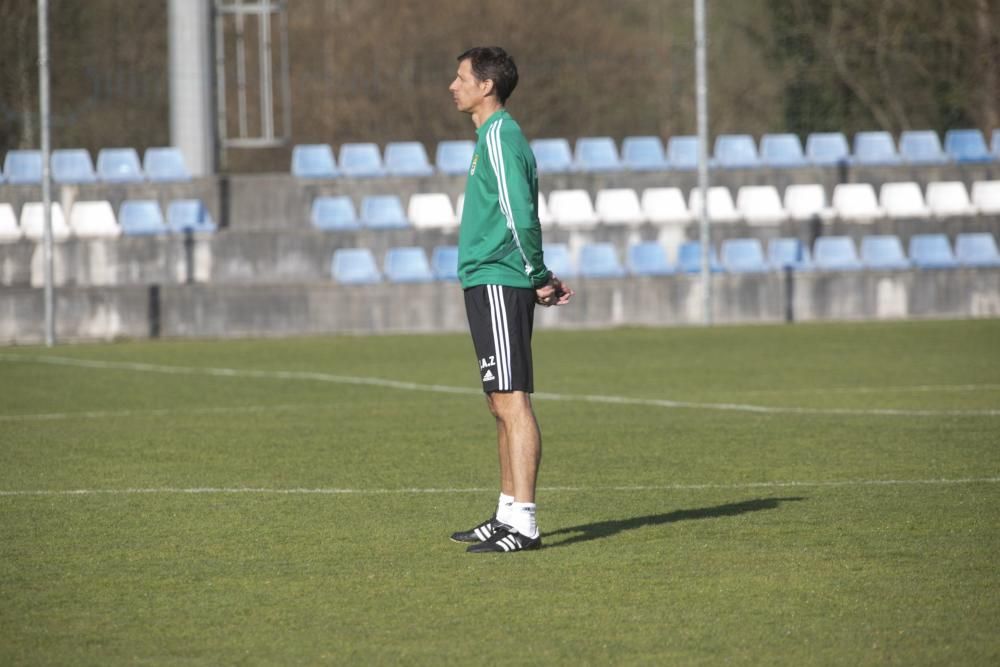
(501, 319)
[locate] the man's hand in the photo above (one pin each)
(553, 293)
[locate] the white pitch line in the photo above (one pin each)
(155, 412)
(445, 389)
(549, 489)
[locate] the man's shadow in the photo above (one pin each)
(602, 529)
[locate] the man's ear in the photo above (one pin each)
(488, 87)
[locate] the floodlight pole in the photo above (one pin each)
(701, 94)
(44, 120)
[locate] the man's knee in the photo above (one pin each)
(508, 405)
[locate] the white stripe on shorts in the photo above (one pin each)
(501, 337)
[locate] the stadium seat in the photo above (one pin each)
(72, 165)
(572, 208)
(141, 217)
(643, 154)
(976, 249)
(966, 146)
(788, 253)
(119, 165)
(986, 197)
(360, 160)
(806, 202)
(354, 266)
(189, 215)
(313, 161)
(689, 258)
(903, 200)
(444, 262)
(431, 210)
(10, 232)
(407, 158)
(921, 147)
(781, 150)
(552, 156)
(334, 213)
(618, 206)
(544, 214)
(682, 153)
(33, 222)
(93, 219)
(407, 265)
(827, 148)
(883, 252)
(460, 204)
(835, 253)
(383, 212)
(165, 164)
(948, 199)
(558, 259)
(454, 157)
(856, 202)
(720, 204)
(648, 258)
(596, 154)
(875, 148)
(931, 251)
(665, 206)
(23, 167)
(743, 256)
(760, 205)
(600, 260)
(735, 151)
(995, 144)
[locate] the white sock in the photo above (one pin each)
(522, 518)
(503, 508)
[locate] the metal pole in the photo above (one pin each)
(44, 120)
(701, 90)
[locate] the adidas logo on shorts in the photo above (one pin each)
(489, 377)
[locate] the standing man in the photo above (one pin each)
(503, 274)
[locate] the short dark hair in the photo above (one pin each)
(491, 63)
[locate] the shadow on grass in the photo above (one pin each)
(602, 529)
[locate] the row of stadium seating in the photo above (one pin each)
(114, 165)
(647, 153)
(649, 258)
(96, 219)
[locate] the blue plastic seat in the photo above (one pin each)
(827, 148)
(600, 260)
(23, 167)
(141, 217)
(921, 147)
(836, 253)
(643, 154)
(407, 158)
(354, 266)
(383, 212)
(996, 144)
(361, 160)
(883, 252)
(119, 165)
(736, 151)
(407, 265)
(967, 146)
(165, 164)
(313, 161)
(791, 253)
(682, 152)
(597, 154)
(689, 258)
(976, 249)
(648, 258)
(875, 148)
(189, 215)
(552, 156)
(743, 256)
(454, 157)
(932, 251)
(444, 262)
(72, 165)
(334, 213)
(781, 150)
(558, 259)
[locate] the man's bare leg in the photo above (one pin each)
(519, 443)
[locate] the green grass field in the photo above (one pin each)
(810, 494)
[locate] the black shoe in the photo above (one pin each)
(480, 533)
(506, 539)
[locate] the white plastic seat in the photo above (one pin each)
(544, 214)
(94, 219)
(903, 200)
(618, 206)
(856, 202)
(427, 210)
(760, 205)
(720, 204)
(665, 206)
(949, 198)
(807, 201)
(9, 231)
(986, 194)
(33, 222)
(572, 208)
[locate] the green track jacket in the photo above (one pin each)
(500, 239)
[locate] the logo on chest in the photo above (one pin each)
(475, 161)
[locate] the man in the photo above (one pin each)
(502, 271)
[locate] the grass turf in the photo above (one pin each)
(674, 535)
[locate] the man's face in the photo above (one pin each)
(466, 90)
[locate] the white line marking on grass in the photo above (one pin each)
(445, 389)
(155, 412)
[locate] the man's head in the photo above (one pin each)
(483, 72)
